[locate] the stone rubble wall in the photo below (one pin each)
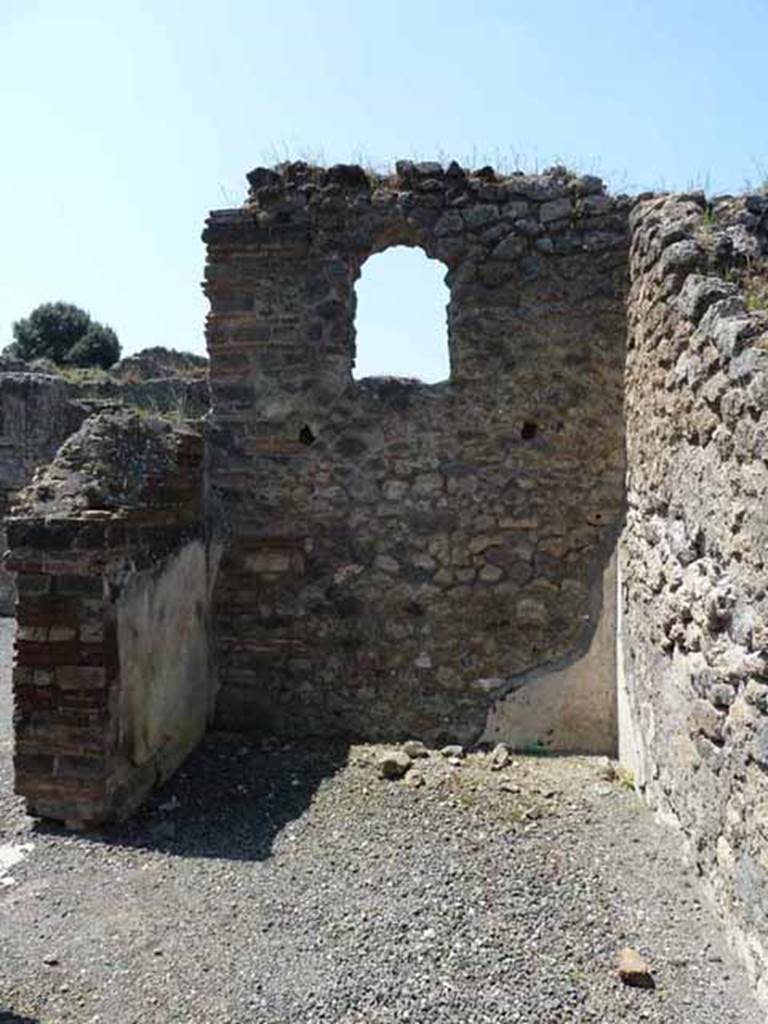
(694, 596)
(112, 686)
(40, 410)
(37, 414)
(400, 556)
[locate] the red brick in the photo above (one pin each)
(83, 699)
(60, 789)
(33, 583)
(33, 764)
(67, 742)
(41, 655)
(80, 677)
(48, 611)
(73, 766)
(83, 586)
(22, 675)
(35, 697)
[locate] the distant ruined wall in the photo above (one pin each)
(40, 410)
(693, 556)
(401, 556)
(36, 415)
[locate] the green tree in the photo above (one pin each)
(97, 347)
(67, 335)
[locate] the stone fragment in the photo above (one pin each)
(491, 573)
(510, 248)
(465, 575)
(531, 611)
(515, 209)
(681, 256)
(587, 184)
(606, 770)
(499, 757)
(387, 564)
(427, 484)
(479, 544)
(596, 204)
(451, 223)
(425, 562)
(480, 216)
(415, 748)
(414, 779)
(556, 209)
(429, 169)
(443, 577)
(507, 786)
(759, 745)
(487, 684)
(699, 293)
(633, 969)
(453, 750)
(393, 764)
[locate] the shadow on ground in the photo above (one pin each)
(230, 800)
(9, 1017)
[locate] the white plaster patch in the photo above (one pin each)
(9, 857)
(571, 709)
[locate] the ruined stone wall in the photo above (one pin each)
(40, 410)
(36, 415)
(401, 556)
(112, 686)
(693, 558)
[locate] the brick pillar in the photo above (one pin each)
(111, 682)
(65, 681)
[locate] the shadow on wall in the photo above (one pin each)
(9, 1017)
(231, 799)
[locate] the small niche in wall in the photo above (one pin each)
(400, 323)
(306, 435)
(529, 430)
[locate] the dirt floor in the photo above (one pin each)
(280, 883)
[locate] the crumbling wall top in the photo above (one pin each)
(454, 214)
(117, 463)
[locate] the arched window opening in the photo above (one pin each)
(400, 323)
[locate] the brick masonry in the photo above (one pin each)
(400, 555)
(119, 503)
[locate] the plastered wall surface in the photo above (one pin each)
(399, 555)
(572, 707)
(166, 686)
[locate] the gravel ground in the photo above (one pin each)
(273, 883)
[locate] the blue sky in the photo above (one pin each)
(123, 123)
